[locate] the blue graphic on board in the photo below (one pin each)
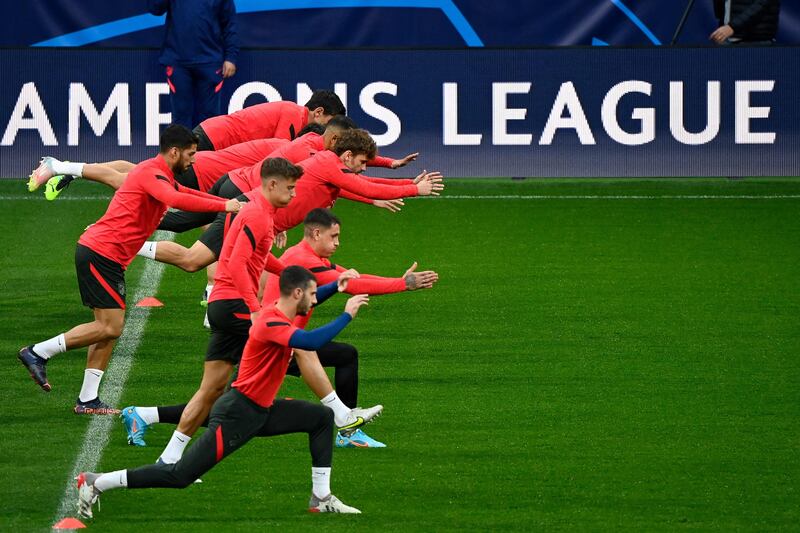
(385, 23)
(143, 22)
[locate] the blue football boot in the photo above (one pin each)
(134, 425)
(358, 439)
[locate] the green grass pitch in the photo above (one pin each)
(611, 362)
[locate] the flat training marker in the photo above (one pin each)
(149, 302)
(70, 523)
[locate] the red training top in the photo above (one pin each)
(281, 120)
(324, 175)
(309, 144)
(266, 357)
(137, 208)
(302, 254)
(301, 148)
(211, 166)
(244, 254)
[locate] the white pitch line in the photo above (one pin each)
(611, 197)
(98, 431)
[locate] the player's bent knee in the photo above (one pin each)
(212, 391)
(352, 353)
(112, 330)
(326, 417)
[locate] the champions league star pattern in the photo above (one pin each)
(385, 23)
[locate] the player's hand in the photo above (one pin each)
(392, 205)
(435, 177)
(354, 304)
(721, 34)
(228, 69)
(419, 280)
(232, 206)
(280, 240)
(345, 277)
(397, 163)
(430, 184)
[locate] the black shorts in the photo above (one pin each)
(230, 325)
(204, 144)
(100, 280)
(224, 188)
(188, 178)
(214, 235)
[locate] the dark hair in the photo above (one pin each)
(278, 167)
(312, 127)
(341, 122)
(320, 218)
(327, 100)
(295, 277)
(357, 141)
(177, 136)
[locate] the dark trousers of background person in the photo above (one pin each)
(194, 92)
(344, 359)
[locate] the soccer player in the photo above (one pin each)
(308, 144)
(282, 120)
(332, 171)
(241, 180)
(320, 241)
(249, 409)
(202, 175)
(105, 250)
(328, 174)
(233, 304)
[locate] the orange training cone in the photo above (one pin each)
(149, 302)
(69, 523)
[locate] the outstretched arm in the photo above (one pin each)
(394, 205)
(362, 187)
(388, 162)
(160, 188)
(317, 338)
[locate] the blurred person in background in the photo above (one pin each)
(746, 21)
(200, 50)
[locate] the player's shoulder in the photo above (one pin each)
(146, 171)
(271, 322)
(299, 255)
(255, 217)
(323, 158)
(288, 105)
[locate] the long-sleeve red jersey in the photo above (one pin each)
(209, 166)
(301, 148)
(309, 144)
(266, 357)
(302, 254)
(137, 208)
(245, 254)
(281, 120)
(324, 176)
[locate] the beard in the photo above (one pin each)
(179, 168)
